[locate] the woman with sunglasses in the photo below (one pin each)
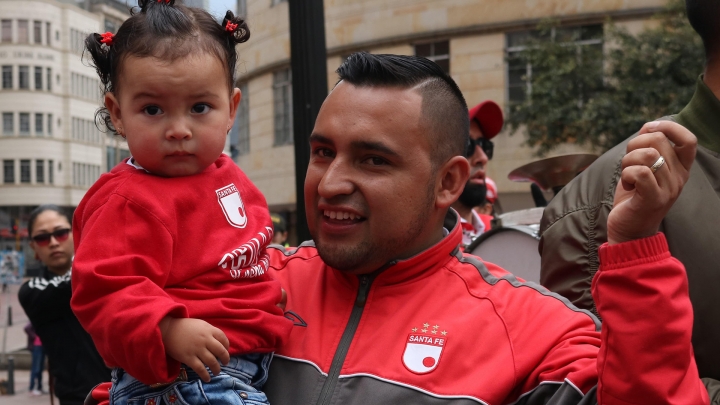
(73, 360)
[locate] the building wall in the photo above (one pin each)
(70, 147)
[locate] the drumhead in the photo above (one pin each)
(514, 248)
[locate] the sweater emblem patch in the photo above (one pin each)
(232, 205)
(423, 348)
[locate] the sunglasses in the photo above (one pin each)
(485, 144)
(60, 235)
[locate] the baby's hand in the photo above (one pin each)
(195, 343)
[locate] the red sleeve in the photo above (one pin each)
(646, 356)
(118, 295)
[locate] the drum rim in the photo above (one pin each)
(521, 228)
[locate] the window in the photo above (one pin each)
(9, 171)
(25, 171)
(49, 79)
(50, 124)
(23, 35)
(240, 134)
(48, 34)
(7, 77)
(438, 52)
(24, 123)
(282, 100)
(37, 32)
(50, 172)
(6, 30)
(520, 72)
(8, 124)
(40, 171)
(39, 124)
(38, 78)
(24, 74)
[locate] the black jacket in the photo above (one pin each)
(73, 359)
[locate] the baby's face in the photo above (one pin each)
(174, 115)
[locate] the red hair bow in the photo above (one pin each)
(107, 38)
(230, 27)
(166, 1)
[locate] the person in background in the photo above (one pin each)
(574, 224)
(38, 360)
(486, 121)
(72, 357)
(280, 232)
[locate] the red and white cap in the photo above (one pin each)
(489, 116)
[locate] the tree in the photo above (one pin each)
(598, 97)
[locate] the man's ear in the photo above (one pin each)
(113, 107)
(451, 180)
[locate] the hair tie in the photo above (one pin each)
(230, 27)
(166, 1)
(107, 38)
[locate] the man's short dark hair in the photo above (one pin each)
(704, 16)
(444, 109)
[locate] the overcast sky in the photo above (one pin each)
(219, 7)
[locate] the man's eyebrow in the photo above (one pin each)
(374, 146)
(317, 138)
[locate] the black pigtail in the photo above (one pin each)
(100, 55)
(240, 32)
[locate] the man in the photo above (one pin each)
(280, 232)
(386, 309)
(574, 223)
(486, 121)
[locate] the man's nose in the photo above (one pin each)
(336, 180)
(478, 157)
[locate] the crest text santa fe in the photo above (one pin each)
(423, 348)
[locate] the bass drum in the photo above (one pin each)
(514, 248)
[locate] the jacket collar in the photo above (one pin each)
(702, 116)
(427, 261)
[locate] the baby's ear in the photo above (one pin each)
(113, 107)
(235, 98)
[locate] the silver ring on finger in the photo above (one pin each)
(658, 164)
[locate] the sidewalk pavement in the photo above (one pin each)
(22, 395)
(12, 341)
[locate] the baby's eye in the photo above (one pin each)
(153, 110)
(201, 109)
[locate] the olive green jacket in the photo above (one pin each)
(574, 226)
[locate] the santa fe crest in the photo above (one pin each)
(423, 348)
(232, 205)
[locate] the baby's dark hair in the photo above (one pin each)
(166, 31)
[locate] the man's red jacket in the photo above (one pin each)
(442, 327)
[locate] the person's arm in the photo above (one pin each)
(46, 300)
(641, 291)
(122, 261)
(713, 387)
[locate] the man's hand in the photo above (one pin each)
(195, 343)
(643, 198)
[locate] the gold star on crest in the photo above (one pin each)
(434, 332)
(426, 325)
(424, 331)
(444, 333)
(414, 329)
(436, 326)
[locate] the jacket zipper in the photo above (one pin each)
(346, 339)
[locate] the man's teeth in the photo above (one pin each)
(340, 215)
